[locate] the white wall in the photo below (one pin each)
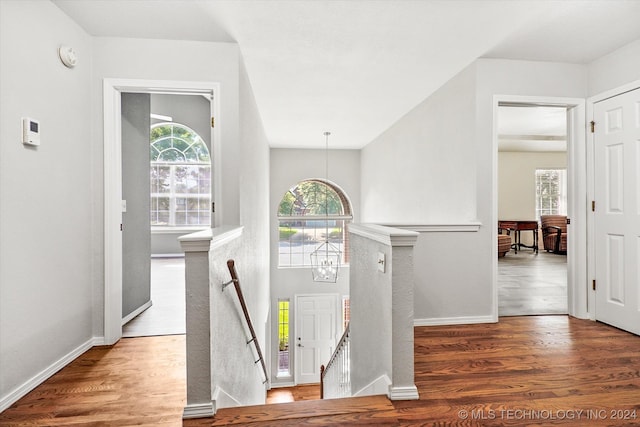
(289, 167)
(253, 176)
(618, 68)
(437, 165)
(45, 194)
(517, 183)
(422, 169)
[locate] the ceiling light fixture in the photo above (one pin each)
(325, 260)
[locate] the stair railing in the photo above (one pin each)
(245, 311)
(335, 378)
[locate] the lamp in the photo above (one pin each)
(325, 260)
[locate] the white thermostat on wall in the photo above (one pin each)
(30, 131)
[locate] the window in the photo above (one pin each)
(180, 177)
(551, 192)
(305, 214)
(283, 337)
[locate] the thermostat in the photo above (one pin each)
(30, 131)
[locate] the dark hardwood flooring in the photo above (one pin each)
(526, 370)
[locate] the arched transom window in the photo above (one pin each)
(180, 177)
(305, 214)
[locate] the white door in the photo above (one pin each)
(316, 328)
(617, 210)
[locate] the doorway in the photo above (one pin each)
(315, 334)
(113, 202)
(532, 184)
(576, 264)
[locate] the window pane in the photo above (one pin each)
(283, 337)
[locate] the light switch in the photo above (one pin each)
(381, 262)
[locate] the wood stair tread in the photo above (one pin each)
(301, 409)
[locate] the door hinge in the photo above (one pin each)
(568, 221)
(593, 284)
(593, 206)
(213, 122)
(213, 207)
(593, 126)
(121, 227)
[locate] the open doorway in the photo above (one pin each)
(166, 171)
(115, 207)
(532, 207)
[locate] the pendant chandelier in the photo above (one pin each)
(325, 260)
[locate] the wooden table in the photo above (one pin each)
(517, 226)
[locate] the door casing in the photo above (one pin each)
(112, 90)
(576, 204)
(590, 139)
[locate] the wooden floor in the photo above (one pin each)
(530, 283)
(528, 370)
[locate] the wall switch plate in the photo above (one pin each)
(381, 262)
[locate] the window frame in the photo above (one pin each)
(560, 196)
(172, 195)
(345, 218)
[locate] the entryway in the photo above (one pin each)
(315, 334)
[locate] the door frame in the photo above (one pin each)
(591, 250)
(112, 162)
(576, 202)
(337, 313)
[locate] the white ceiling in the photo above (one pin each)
(354, 67)
(532, 128)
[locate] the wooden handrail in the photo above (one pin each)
(323, 368)
(245, 311)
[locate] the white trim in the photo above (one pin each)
(200, 410)
(20, 391)
(222, 399)
(136, 312)
(472, 226)
(112, 89)
(576, 206)
(614, 92)
(462, 320)
(177, 230)
(376, 387)
(403, 393)
(385, 235)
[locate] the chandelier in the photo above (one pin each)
(325, 260)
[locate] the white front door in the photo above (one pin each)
(617, 210)
(315, 339)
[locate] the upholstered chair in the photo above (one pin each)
(554, 233)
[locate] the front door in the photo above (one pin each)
(617, 210)
(315, 340)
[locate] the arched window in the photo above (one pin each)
(180, 177)
(305, 214)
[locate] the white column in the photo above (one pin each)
(198, 325)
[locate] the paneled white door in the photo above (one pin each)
(315, 340)
(617, 211)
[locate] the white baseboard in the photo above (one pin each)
(464, 320)
(378, 386)
(200, 410)
(20, 391)
(222, 399)
(129, 317)
(403, 393)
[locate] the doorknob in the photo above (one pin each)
(300, 345)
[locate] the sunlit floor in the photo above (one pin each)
(167, 314)
(294, 394)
